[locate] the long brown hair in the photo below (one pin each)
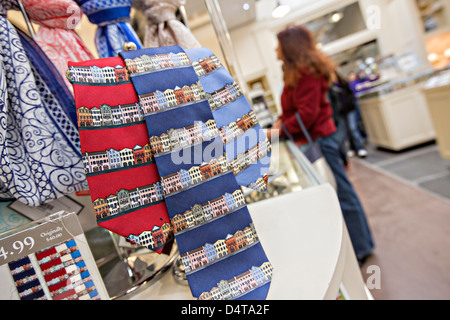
(301, 56)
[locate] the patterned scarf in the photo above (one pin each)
(39, 144)
(163, 27)
(56, 35)
(112, 18)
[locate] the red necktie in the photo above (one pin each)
(123, 180)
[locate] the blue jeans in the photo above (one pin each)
(351, 207)
(348, 131)
(353, 131)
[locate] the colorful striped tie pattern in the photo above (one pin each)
(123, 180)
(26, 280)
(246, 144)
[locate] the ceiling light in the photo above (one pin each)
(246, 6)
(281, 10)
(370, 60)
(433, 57)
(336, 17)
(447, 53)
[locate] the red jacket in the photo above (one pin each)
(309, 99)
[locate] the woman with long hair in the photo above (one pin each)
(307, 76)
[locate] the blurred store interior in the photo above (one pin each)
(401, 49)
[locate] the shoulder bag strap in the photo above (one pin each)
(302, 126)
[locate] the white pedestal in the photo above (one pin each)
(306, 241)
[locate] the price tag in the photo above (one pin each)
(36, 236)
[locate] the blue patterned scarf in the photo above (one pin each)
(39, 143)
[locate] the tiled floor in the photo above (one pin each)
(421, 166)
(407, 200)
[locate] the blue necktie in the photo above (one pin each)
(49, 76)
(236, 120)
(218, 244)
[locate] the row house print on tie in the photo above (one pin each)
(125, 187)
(246, 145)
(210, 221)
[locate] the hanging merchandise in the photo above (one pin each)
(114, 30)
(39, 144)
(53, 92)
(124, 183)
(219, 247)
(163, 28)
(56, 36)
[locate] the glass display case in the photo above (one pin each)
(290, 172)
(437, 94)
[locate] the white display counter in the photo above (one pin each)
(398, 119)
(305, 239)
(437, 93)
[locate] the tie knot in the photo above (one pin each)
(159, 11)
(104, 12)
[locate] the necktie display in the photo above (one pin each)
(246, 144)
(49, 259)
(163, 28)
(65, 273)
(218, 244)
(114, 30)
(56, 36)
(40, 158)
(124, 184)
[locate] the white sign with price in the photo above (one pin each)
(17, 247)
(48, 232)
(29, 239)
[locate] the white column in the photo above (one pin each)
(399, 27)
